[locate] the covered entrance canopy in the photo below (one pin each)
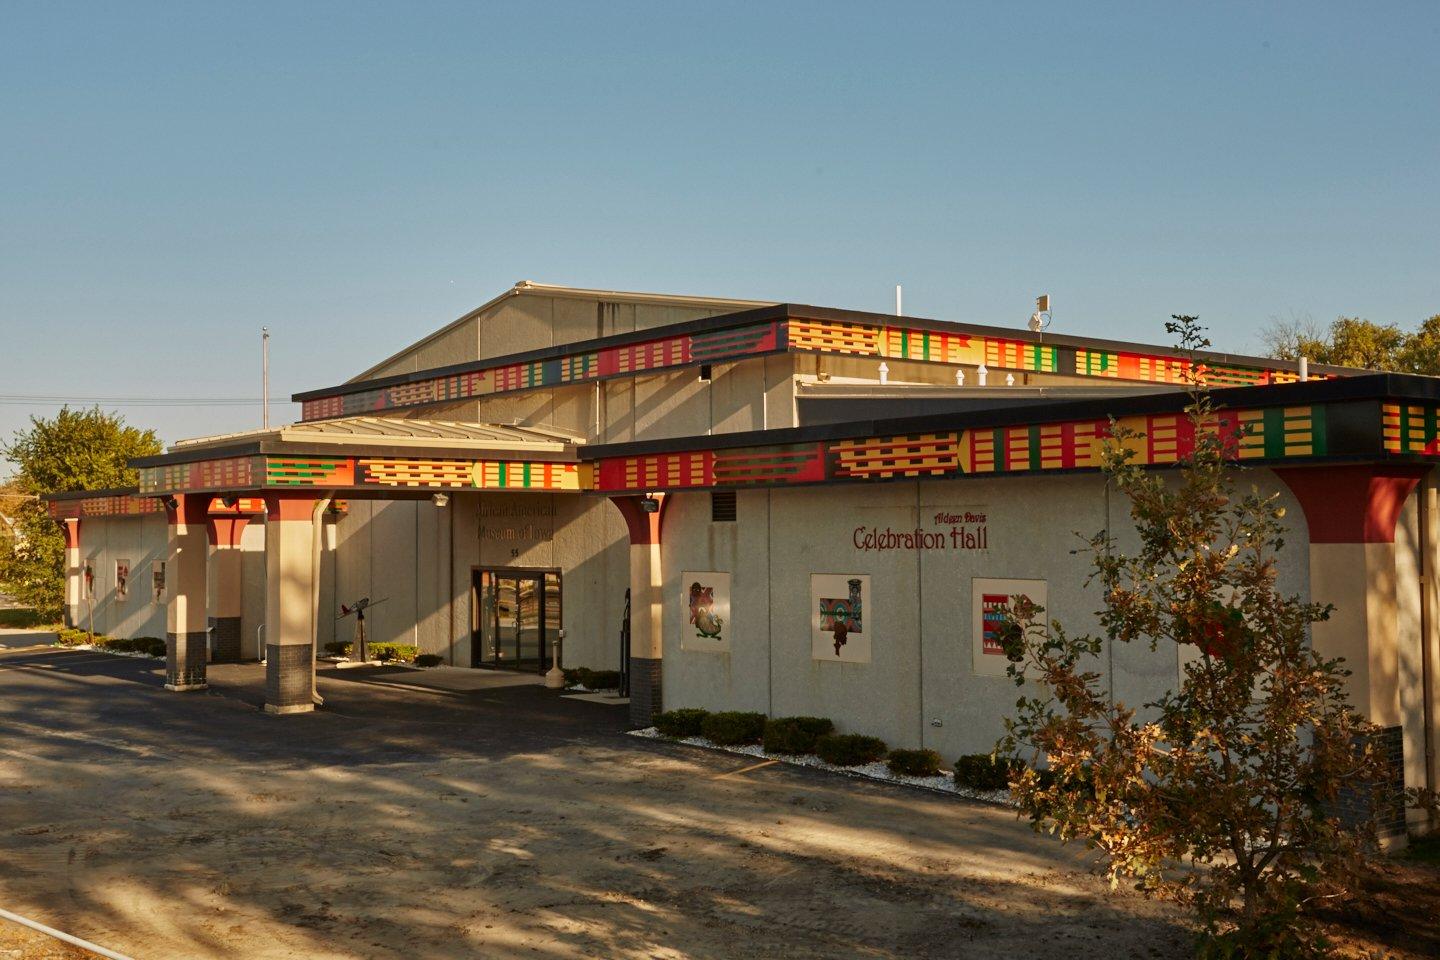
(368, 456)
(210, 487)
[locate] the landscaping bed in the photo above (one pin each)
(810, 742)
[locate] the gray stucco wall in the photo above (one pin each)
(921, 601)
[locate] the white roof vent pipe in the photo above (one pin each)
(884, 372)
(960, 378)
(1009, 379)
(981, 372)
(1304, 369)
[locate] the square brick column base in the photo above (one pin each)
(225, 633)
(287, 678)
(1387, 803)
(185, 656)
(645, 703)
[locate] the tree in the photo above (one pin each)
(1222, 792)
(1421, 352)
(1356, 342)
(76, 450)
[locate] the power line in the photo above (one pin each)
(21, 399)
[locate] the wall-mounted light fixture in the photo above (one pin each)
(440, 499)
(649, 504)
(170, 502)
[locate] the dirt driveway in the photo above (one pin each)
(495, 823)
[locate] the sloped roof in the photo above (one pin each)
(395, 432)
(523, 287)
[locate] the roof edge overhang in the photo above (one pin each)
(531, 288)
(1371, 387)
(558, 453)
(793, 311)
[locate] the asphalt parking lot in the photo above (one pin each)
(499, 822)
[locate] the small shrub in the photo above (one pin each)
(913, 763)
(72, 637)
(981, 771)
(385, 652)
(151, 645)
(849, 749)
(604, 679)
(795, 734)
(339, 648)
(21, 618)
(685, 722)
(731, 727)
(429, 660)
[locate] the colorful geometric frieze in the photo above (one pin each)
(844, 338)
(229, 473)
(1156, 369)
(468, 474)
(405, 472)
(909, 456)
(309, 472)
(659, 354)
(527, 475)
(1276, 433)
(123, 505)
(1411, 428)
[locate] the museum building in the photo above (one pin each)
(756, 506)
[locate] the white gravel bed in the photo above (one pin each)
(132, 654)
(944, 783)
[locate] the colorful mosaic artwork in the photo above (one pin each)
(229, 473)
(123, 505)
(1411, 428)
(309, 472)
(1273, 433)
(658, 354)
(797, 335)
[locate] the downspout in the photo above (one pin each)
(1427, 662)
(317, 539)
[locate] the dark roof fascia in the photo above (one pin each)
(256, 448)
(795, 311)
(92, 494)
(1379, 386)
(806, 312)
(699, 325)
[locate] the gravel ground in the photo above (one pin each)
(500, 823)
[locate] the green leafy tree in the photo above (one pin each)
(1223, 791)
(1356, 342)
(74, 450)
(1421, 352)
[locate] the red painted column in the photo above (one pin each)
(289, 582)
(186, 619)
(74, 571)
(1351, 511)
(646, 603)
(226, 582)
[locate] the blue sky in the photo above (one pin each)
(355, 175)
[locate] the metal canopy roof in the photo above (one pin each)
(392, 432)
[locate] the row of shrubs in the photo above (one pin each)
(385, 652)
(152, 646)
(591, 679)
(807, 735)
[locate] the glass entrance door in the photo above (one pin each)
(517, 618)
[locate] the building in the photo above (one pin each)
(755, 506)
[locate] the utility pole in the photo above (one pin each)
(265, 377)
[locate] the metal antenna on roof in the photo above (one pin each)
(265, 377)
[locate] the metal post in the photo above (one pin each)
(265, 377)
(625, 649)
